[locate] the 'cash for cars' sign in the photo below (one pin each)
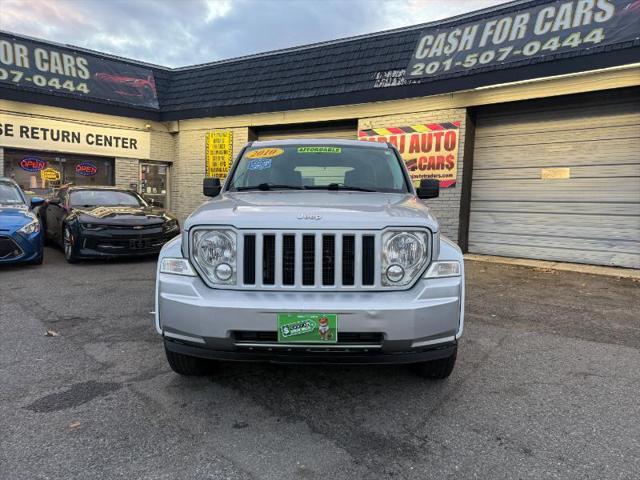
(218, 153)
(543, 30)
(428, 150)
(46, 67)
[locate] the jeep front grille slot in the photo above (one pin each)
(249, 267)
(288, 259)
(328, 259)
(368, 259)
(310, 259)
(348, 255)
(269, 260)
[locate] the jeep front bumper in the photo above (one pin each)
(419, 324)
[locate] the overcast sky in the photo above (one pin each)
(186, 32)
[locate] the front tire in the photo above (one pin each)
(185, 364)
(68, 245)
(437, 369)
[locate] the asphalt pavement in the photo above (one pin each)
(546, 386)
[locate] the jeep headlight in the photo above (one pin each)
(404, 255)
(214, 252)
(32, 227)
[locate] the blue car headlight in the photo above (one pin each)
(31, 227)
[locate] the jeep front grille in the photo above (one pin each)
(313, 259)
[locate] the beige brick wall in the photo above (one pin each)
(188, 171)
(447, 207)
(127, 172)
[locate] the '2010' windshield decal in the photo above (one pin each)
(265, 153)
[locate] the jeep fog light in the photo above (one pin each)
(177, 266)
(395, 273)
(443, 269)
(224, 271)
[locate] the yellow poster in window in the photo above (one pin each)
(218, 153)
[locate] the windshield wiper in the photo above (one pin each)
(268, 186)
(338, 186)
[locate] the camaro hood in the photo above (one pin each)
(313, 210)
(12, 217)
(122, 215)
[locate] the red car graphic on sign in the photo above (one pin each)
(144, 88)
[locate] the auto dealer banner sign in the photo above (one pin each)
(430, 151)
(544, 30)
(50, 68)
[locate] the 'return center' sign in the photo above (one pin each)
(430, 150)
(218, 153)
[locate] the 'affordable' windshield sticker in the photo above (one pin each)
(265, 153)
(259, 164)
(319, 150)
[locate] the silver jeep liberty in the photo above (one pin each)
(313, 251)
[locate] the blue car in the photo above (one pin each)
(20, 232)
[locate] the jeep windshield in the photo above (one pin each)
(319, 167)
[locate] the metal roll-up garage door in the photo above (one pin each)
(559, 179)
(346, 131)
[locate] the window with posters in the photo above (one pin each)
(429, 150)
(43, 172)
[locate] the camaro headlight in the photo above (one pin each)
(444, 269)
(214, 251)
(32, 227)
(404, 254)
(177, 266)
(92, 226)
(170, 225)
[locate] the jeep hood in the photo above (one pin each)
(319, 210)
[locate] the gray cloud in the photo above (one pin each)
(187, 32)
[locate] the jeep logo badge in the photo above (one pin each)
(309, 216)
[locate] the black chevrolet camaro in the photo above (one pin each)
(102, 222)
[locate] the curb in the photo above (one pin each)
(566, 267)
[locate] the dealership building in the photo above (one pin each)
(528, 114)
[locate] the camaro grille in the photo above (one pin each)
(309, 259)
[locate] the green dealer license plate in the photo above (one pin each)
(307, 327)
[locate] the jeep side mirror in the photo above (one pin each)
(211, 187)
(428, 188)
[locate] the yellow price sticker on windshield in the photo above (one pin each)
(265, 153)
